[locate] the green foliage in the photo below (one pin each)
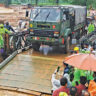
(53, 2)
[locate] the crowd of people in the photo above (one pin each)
(4, 29)
(7, 28)
(74, 82)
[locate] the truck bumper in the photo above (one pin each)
(47, 40)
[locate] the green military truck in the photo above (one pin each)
(56, 25)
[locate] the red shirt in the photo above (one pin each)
(61, 89)
(80, 87)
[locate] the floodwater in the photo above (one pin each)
(31, 70)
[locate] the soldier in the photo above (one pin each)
(9, 27)
(91, 28)
(2, 32)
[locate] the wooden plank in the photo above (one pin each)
(7, 88)
(29, 92)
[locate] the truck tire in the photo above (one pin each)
(78, 34)
(67, 45)
(36, 47)
(84, 31)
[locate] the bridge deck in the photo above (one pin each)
(29, 72)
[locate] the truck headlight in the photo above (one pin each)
(31, 31)
(31, 25)
(56, 34)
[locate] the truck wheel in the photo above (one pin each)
(78, 35)
(67, 45)
(36, 47)
(84, 31)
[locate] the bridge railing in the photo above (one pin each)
(15, 41)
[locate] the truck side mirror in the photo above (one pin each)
(66, 12)
(64, 18)
(27, 13)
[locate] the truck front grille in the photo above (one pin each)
(43, 26)
(43, 33)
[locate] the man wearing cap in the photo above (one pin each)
(76, 49)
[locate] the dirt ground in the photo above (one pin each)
(13, 14)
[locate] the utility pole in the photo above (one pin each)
(57, 2)
(86, 9)
(7, 2)
(85, 3)
(36, 2)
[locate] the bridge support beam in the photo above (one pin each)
(8, 59)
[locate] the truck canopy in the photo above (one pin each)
(80, 13)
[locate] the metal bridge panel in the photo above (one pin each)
(29, 72)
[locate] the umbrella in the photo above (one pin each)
(82, 61)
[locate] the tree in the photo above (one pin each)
(7, 2)
(36, 2)
(57, 2)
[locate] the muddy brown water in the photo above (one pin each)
(31, 70)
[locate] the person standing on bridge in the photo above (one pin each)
(9, 27)
(91, 28)
(2, 32)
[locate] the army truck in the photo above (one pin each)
(56, 25)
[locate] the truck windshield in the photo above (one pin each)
(45, 14)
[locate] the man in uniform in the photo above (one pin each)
(91, 28)
(9, 27)
(2, 32)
